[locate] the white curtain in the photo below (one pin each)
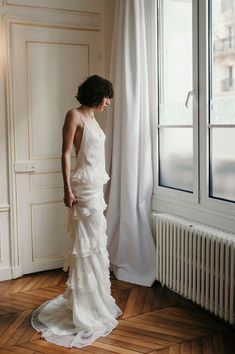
(128, 146)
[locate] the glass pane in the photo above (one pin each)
(176, 158)
(223, 62)
(222, 167)
(175, 61)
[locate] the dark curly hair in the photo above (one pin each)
(92, 91)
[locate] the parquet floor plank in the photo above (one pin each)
(163, 351)
(26, 298)
(185, 348)
(189, 313)
(56, 280)
(120, 343)
(20, 302)
(123, 297)
(5, 351)
(55, 291)
(130, 305)
(158, 321)
(169, 298)
(161, 336)
(187, 319)
(119, 284)
(20, 350)
(157, 299)
(34, 283)
(18, 335)
(175, 349)
(229, 342)
(93, 350)
(140, 300)
(167, 328)
(16, 306)
(149, 298)
(13, 327)
(42, 293)
(9, 286)
(218, 343)
(42, 281)
(6, 320)
(29, 335)
(49, 348)
(114, 348)
(149, 342)
(47, 281)
(155, 320)
(207, 345)
(4, 311)
(197, 346)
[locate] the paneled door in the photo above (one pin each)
(47, 66)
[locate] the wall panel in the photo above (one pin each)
(54, 71)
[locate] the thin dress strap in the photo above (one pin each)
(82, 119)
(82, 138)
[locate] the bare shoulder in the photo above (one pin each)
(73, 118)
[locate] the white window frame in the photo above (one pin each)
(225, 207)
(166, 192)
(198, 205)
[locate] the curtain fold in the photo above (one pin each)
(128, 147)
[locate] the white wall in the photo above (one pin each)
(91, 15)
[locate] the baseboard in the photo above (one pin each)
(16, 272)
(5, 274)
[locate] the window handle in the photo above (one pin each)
(190, 93)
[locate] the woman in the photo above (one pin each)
(86, 310)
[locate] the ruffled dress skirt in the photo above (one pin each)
(87, 309)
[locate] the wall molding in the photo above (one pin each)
(19, 20)
(24, 4)
(16, 272)
(36, 259)
(4, 207)
(45, 18)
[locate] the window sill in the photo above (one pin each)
(197, 212)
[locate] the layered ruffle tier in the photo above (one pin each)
(83, 175)
(87, 309)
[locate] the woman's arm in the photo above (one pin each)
(69, 129)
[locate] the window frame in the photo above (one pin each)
(198, 205)
(226, 207)
(168, 192)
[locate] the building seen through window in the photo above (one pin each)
(222, 94)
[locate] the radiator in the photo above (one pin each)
(197, 261)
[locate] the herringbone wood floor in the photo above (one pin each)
(154, 320)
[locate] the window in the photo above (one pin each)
(196, 108)
(222, 108)
(175, 118)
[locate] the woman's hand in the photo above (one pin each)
(69, 198)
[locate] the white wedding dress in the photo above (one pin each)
(87, 309)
